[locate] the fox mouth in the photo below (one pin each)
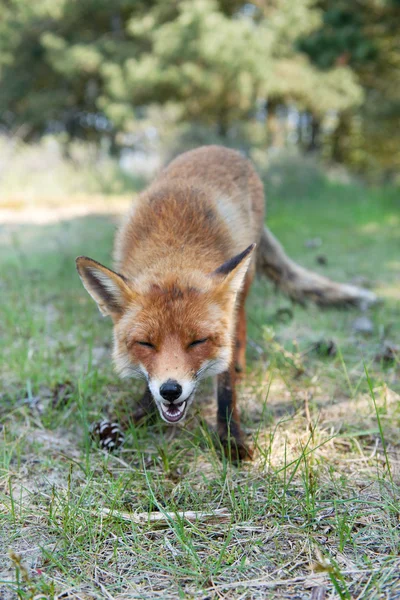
(173, 412)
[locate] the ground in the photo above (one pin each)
(314, 515)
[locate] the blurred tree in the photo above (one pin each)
(209, 64)
(365, 36)
(218, 68)
(85, 65)
(51, 59)
(296, 80)
(341, 38)
(91, 67)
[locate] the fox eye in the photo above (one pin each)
(146, 344)
(197, 342)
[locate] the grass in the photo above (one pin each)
(316, 514)
(33, 175)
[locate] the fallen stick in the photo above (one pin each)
(219, 515)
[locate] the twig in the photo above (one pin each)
(217, 516)
(307, 397)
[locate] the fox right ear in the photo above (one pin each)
(232, 272)
(108, 289)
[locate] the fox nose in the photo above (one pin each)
(170, 390)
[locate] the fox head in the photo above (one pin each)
(173, 331)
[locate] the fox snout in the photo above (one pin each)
(172, 397)
(171, 409)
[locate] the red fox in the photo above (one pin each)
(185, 260)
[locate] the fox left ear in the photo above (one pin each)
(233, 271)
(108, 289)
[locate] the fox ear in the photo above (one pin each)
(108, 289)
(233, 271)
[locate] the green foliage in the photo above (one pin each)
(364, 36)
(341, 39)
(93, 68)
(51, 59)
(89, 66)
(204, 60)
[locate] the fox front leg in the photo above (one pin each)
(228, 420)
(145, 408)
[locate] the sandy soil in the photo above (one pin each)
(48, 213)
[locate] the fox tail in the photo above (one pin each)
(302, 285)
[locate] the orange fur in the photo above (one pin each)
(183, 277)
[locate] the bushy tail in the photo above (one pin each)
(302, 285)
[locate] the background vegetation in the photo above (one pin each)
(318, 75)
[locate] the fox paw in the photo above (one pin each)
(236, 450)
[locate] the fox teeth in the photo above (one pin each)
(174, 412)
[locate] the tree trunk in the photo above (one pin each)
(276, 133)
(339, 137)
(314, 143)
(114, 149)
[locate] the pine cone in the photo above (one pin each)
(108, 435)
